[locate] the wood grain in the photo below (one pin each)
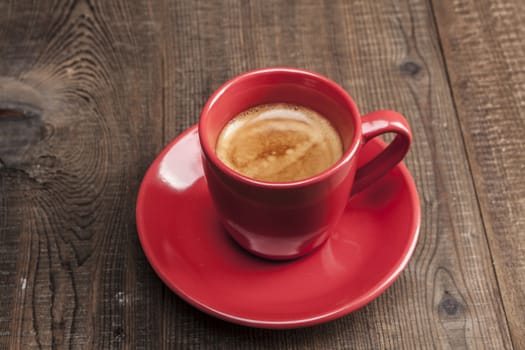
(485, 55)
(90, 92)
(67, 198)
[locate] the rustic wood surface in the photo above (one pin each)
(91, 91)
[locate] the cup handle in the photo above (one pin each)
(375, 124)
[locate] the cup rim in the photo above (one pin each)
(210, 154)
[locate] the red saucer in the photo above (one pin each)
(190, 251)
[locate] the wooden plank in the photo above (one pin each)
(115, 81)
(72, 262)
(485, 55)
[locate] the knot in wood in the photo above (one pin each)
(21, 127)
(410, 68)
(450, 305)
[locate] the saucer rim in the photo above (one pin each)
(352, 306)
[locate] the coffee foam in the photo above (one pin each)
(279, 143)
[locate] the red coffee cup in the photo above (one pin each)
(285, 220)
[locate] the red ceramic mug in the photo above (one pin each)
(285, 220)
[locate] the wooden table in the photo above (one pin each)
(91, 91)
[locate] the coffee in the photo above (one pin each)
(279, 142)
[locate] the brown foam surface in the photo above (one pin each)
(279, 143)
